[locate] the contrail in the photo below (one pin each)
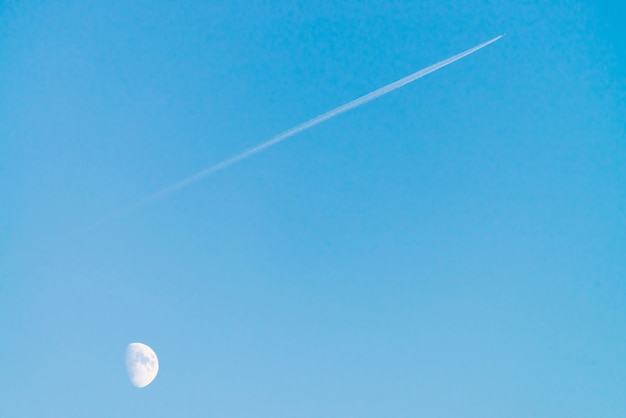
(293, 131)
(312, 122)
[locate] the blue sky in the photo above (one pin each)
(455, 248)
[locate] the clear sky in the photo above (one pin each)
(456, 248)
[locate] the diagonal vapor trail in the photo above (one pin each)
(293, 131)
(312, 122)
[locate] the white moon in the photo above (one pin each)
(142, 364)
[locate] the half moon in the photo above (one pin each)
(142, 364)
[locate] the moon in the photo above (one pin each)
(142, 364)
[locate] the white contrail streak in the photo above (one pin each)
(302, 127)
(312, 122)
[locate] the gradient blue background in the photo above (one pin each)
(454, 249)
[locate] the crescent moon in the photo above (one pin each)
(142, 364)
